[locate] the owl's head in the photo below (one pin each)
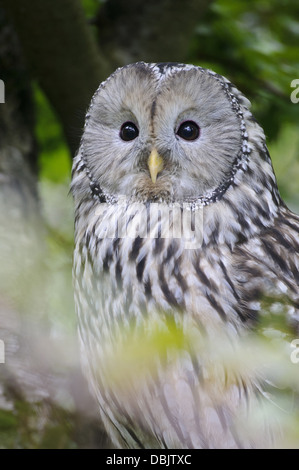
(167, 132)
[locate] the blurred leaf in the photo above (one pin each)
(54, 156)
(137, 349)
(91, 7)
(285, 157)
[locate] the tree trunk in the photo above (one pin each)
(62, 55)
(151, 31)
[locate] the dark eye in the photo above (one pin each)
(128, 131)
(188, 130)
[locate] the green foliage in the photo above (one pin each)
(91, 7)
(137, 349)
(256, 45)
(285, 157)
(54, 156)
(41, 425)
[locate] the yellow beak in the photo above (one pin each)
(155, 164)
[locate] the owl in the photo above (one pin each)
(180, 232)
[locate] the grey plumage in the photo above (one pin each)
(246, 247)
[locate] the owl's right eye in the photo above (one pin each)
(128, 131)
(188, 130)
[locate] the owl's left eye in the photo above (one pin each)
(188, 130)
(128, 131)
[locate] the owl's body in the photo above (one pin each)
(212, 164)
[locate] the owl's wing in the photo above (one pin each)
(266, 267)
